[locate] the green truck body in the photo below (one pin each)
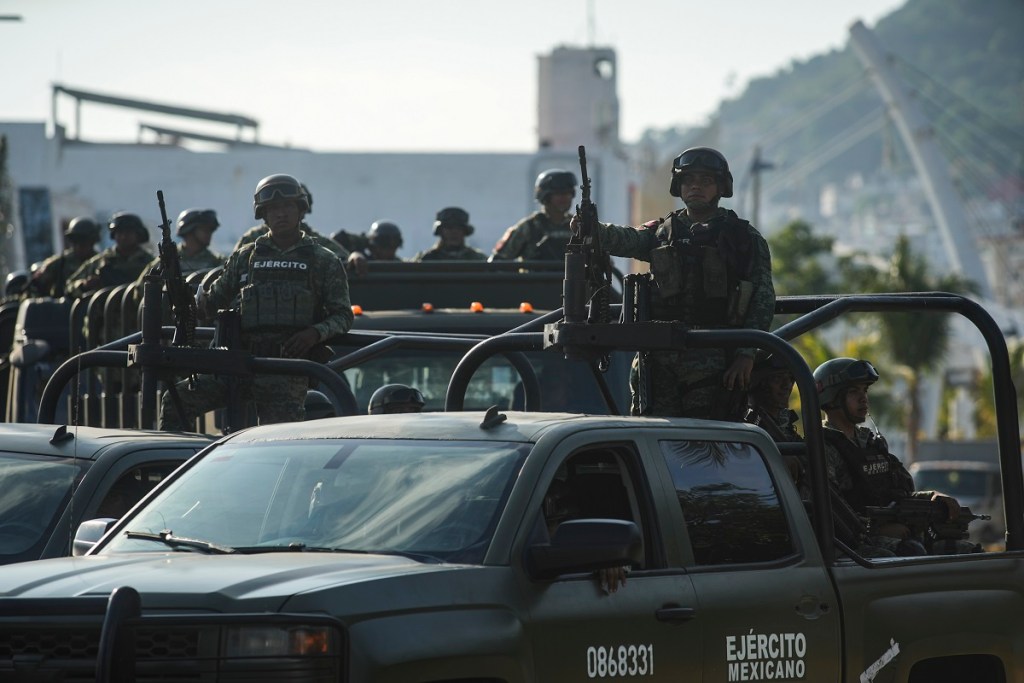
(421, 548)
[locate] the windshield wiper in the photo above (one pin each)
(167, 537)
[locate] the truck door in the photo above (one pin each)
(643, 630)
(766, 607)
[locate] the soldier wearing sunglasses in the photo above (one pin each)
(711, 269)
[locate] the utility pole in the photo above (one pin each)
(757, 165)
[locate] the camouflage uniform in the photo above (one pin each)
(440, 253)
(866, 473)
(722, 262)
(535, 237)
(282, 292)
(352, 241)
(112, 267)
(52, 275)
(250, 235)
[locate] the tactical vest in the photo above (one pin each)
(702, 275)
(878, 476)
(546, 245)
(278, 294)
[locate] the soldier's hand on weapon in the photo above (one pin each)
(951, 504)
(357, 263)
(574, 224)
(737, 376)
(300, 343)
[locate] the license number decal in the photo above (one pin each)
(620, 661)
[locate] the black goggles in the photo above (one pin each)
(855, 373)
(285, 191)
(698, 159)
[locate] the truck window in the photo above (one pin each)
(729, 502)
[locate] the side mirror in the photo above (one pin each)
(89, 533)
(585, 545)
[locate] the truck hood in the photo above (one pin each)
(219, 582)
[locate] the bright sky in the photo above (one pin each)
(391, 75)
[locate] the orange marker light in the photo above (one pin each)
(526, 307)
(476, 307)
(427, 307)
(357, 309)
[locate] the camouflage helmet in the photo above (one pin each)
(82, 228)
(701, 158)
(124, 220)
(551, 181)
(278, 186)
(385, 233)
(453, 216)
(832, 377)
(396, 398)
(16, 282)
(190, 219)
(318, 405)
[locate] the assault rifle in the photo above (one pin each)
(929, 518)
(183, 303)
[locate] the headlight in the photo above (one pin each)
(280, 641)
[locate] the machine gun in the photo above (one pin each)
(183, 303)
(588, 272)
(929, 518)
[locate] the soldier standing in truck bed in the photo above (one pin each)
(250, 235)
(50, 277)
(293, 296)
(451, 227)
(116, 265)
(195, 228)
(544, 234)
(711, 270)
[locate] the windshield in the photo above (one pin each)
(565, 386)
(437, 500)
(35, 491)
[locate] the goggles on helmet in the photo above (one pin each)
(282, 191)
(855, 373)
(699, 158)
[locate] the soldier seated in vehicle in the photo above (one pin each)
(859, 463)
(451, 227)
(396, 398)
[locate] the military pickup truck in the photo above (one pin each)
(487, 546)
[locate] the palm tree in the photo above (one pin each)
(915, 343)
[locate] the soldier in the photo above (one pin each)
(859, 463)
(250, 235)
(452, 226)
(116, 265)
(195, 228)
(15, 285)
(294, 296)
(711, 270)
(771, 384)
(396, 398)
(50, 277)
(544, 234)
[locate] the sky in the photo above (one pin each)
(394, 75)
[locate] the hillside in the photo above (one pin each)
(964, 59)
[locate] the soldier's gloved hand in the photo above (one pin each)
(737, 376)
(357, 263)
(574, 224)
(951, 503)
(300, 343)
